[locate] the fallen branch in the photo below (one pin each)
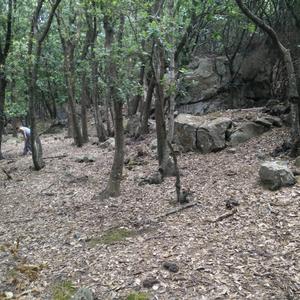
(224, 216)
(177, 209)
(9, 177)
(58, 156)
(18, 221)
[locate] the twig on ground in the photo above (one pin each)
(224, 216)
(9, 177)
(57, 156)
(177, 209)
(47, 188)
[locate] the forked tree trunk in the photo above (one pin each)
(33, 64)
(292, 91)
(70, 83)
(113, 186)
(101, 133)
(165, 164)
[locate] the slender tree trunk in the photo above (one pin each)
(172, 78)
(6, 43)
(70, 83)
(165, 164)
(113, 186)
(33, 64)
(147, 107)
(83, 102)
(101, 134)
(2, 101)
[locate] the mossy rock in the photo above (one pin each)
(63, 290)
(138, 296)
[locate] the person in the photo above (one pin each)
(26, 134)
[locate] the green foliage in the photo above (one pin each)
(112, 236)
(138, 296)
(63, 290)
(16, 109)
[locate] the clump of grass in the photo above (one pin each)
(138, 296)
(63, 290)
(112, 236)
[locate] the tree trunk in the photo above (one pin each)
(113, 186)
(2, 101)
(6, 43)
(69, 75)
(172, 78)
(146, 108)
(101, 134)
(292, 91)
(165, 164)
(83, 102)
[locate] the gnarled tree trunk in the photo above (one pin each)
(292, 91)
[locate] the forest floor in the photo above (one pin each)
(56, 235)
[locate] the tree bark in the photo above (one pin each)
(113, 186)
(292, 91)
(33, 64)
(3, 55)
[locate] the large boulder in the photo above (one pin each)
(211, 135)
(247, 131)
(276, 174)
(198, 133)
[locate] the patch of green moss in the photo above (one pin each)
(112, 236)
(138, 296)
(63, 290)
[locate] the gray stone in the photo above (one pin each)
(199, 133)
(153, 145)
(85, 159)
(83, 294)
(133, 124)
(275, 121)
(263, 122)
(276, 174)
(297, 162)
(109, 144)
(246, 131)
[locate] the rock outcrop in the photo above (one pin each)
(276, 174)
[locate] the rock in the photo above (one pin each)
(275, 175)
(83, 294)
(133, 125)
(297, 180)
(109, 144)
(263, 122)
(231, 203)
(275, 121)
(185, 129)
(150, 282)
(231, 150)
(171, 266)
(153, 145)
(8, 295)
(211, 135)
(85, 159)
(297, 162)
(247, 131)
(197, 133)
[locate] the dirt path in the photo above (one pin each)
(59, 223)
